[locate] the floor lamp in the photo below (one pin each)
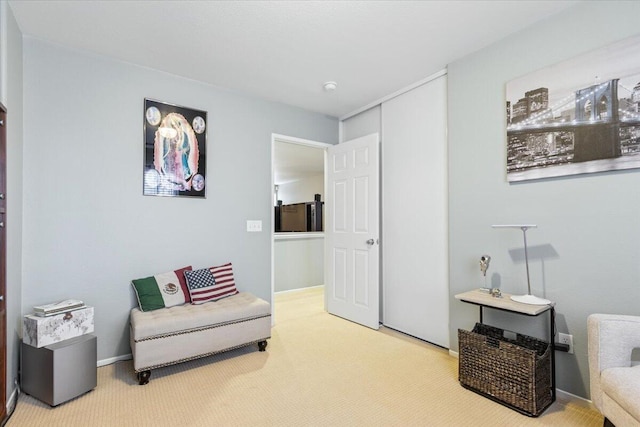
(528, 298)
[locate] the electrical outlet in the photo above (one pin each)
(566, 339)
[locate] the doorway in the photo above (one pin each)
(297, 235)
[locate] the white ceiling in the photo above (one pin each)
(285, 50)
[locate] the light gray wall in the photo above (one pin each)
(298, 262)
(87, 228)
(362, 124)
(302, 190)
(12, 99)
(588, 225)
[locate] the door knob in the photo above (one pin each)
(370, 242)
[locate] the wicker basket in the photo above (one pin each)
(516, 372)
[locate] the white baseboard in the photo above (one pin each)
(298, 289)
(566, 397)
(12, 400)
(109, 361)
(562, 396)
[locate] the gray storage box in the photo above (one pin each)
(61, 371)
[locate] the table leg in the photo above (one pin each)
(552, 336)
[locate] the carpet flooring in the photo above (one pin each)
(318, 370)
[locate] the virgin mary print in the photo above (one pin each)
(175, 141)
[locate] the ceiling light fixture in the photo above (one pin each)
(330, 86)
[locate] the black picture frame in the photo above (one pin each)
(175, 143)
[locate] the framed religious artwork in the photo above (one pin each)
(175, 143)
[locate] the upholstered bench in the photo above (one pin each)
(185, 332)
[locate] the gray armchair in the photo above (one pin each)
(615, 380)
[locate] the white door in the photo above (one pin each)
(352, 230)
(415, 209)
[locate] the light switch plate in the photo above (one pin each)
(254, 225)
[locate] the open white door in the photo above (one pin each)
(352, 230)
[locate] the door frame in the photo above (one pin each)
(3, 263)
(298, 141)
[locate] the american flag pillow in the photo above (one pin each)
(211, 284)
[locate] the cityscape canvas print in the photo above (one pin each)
(174, 150)
(579, 116)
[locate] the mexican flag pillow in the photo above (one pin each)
(162, 290)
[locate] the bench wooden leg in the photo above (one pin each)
(262, 345)
(143, 377)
